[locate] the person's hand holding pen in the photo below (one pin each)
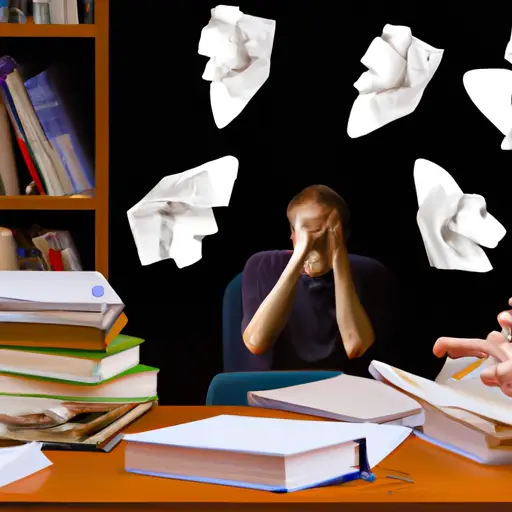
(496, 346)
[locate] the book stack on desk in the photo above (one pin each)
(60, 340)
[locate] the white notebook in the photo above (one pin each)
(260, 453)
(343, 398)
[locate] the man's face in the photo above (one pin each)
(313, 217)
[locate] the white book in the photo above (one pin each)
(262, 453)
(343, 398)
(65, 298)
(462, 416)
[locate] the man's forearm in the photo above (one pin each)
(353, 322)
(270, 318)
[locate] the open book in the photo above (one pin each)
(343, 398)
(461, 414)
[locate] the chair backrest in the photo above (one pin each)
(236, 357)
(232, 315)
(232, 388)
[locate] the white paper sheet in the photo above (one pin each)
(239, 47)
(275, 436)
(400, 66)
(21, 461)
(453, 225)
(174, 217)
(508, 51)
(491, 91)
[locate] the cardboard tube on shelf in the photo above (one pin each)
(8, 250)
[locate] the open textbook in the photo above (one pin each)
(461, 414)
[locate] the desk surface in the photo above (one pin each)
(99, 480)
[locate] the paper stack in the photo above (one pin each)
(61, 341)
(461, 414)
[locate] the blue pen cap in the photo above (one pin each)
(7, 66)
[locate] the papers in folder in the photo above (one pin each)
(249, 452)
(174, 217)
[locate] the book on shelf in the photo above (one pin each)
(44, 118)
(45, 249)
(62, 12)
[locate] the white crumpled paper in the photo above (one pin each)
(453, 225)
(491, 91)
(239, 47)
(400, 66)
(174, 217)
(508, 51)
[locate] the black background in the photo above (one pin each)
(293, 134)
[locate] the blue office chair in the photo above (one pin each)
(232, 388)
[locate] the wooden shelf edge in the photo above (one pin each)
(30, 29)
(47, 203)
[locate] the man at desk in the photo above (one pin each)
(496, 346)
(316, 307)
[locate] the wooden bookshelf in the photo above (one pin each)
(99, 203)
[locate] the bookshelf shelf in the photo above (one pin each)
(46, 203)
(99, 204)
(30, 29)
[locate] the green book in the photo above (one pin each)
(88, 366)
(138, 384)
(119, 344)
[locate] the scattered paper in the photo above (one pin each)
(239, 47)
(174, 217)
(453, 225)
(508, 51)
(491, 91)
(21, 461)
(275, 436)
(400, 66)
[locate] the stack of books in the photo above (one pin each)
(63, 357)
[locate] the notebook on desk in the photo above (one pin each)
(262, 453)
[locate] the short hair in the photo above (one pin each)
(321, 194)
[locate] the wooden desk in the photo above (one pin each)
(97, 481)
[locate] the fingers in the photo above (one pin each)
(505, 320)
(499, 375)
(464, 347)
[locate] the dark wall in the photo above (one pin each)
(293, 134)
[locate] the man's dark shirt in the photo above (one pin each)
(311, 337)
